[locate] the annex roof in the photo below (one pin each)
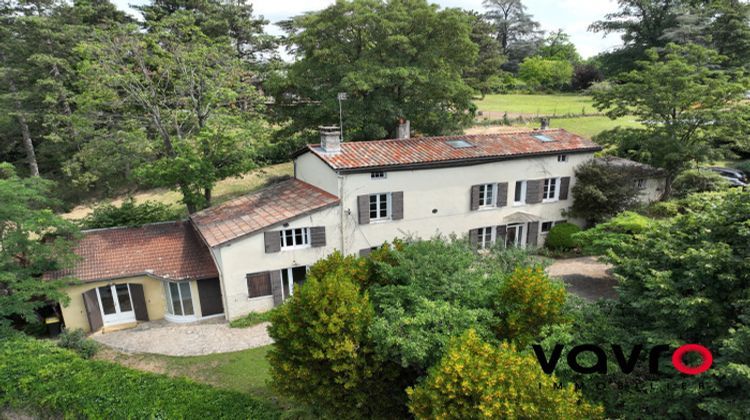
(168, 250)
(462, 150)
(253, 212)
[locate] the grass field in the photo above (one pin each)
(245, 371)
(515, 104)
(586, 126)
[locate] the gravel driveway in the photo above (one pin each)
(585, 277)
(162, 337)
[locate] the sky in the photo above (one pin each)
(572, 16)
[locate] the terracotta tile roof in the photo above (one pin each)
(250, 213)
(170, 250)
(430, 151)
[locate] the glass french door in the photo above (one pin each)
(292, 276)
(514, 235)
(115, 302)
(179, 299)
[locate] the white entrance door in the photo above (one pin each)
(514, 235)
(116, 305)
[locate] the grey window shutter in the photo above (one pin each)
(272, 241)
(139, 302)
(531, 237)
(474, 205)
(397, 205)
(474, 238)
(363, 209)
(534, 190)
(502, 194)
(500, 234)
(93, 313)
(317, 236)
(276, 287)
(564, 187)
(365, 252)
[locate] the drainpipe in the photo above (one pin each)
(341, 211)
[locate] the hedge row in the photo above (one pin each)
(43, 378)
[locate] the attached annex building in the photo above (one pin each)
(352, 197)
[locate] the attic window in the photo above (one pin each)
(542, 138)
(459, 144)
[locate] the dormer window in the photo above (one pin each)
(377, 175)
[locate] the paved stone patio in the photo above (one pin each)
(585, 277)
(198, 338)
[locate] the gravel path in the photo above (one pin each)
(162, 337)
(585, 277)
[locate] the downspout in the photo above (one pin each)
(341, 210)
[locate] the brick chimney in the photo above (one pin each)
(404, 128)
(330, 138)
(544, 123)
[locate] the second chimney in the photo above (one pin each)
(404, 128)
(330, 138)
(544, 123)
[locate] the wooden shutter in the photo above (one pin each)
(474, 238)
(272, 241)
(93, 312)
(500, 234)
(564, 186)
(474, 198)
(276, 287)
(533, 234)
(259, 284)
(317, 236)
(209, 293)
(534, 190)
(397, 205)
(363, 209)
(502, 194)
(139, 301)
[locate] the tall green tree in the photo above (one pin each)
(685, 102)
(543, 73)
(179, 91)
(396, 59)
(517, 32)
(558, 46)
(486, 74)
(33, 240)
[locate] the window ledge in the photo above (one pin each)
(295, 248)
(551, 200)
(259, 297)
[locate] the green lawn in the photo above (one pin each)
(246, 371)
(586, 126)
(515, 104)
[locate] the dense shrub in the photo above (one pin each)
(478, 380)
(603, 190)
(623, 228)
(697, 180)
(77, 341)
(130, 214)
(527, 301)
(38, 376)
(560, 237)
(744, 166)
(661, 209)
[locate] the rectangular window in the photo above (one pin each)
(377, 175)
(551, 186)
(520, 194)
(258, 284)
(380, 206)
(547, 226)
(562, 158)
(487, 193)
(486, 237)
(295, 238)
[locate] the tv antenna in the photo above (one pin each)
(342, 96)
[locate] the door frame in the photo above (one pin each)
(290, 280)
(119, 317)
(169, 304)
(520, 241)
